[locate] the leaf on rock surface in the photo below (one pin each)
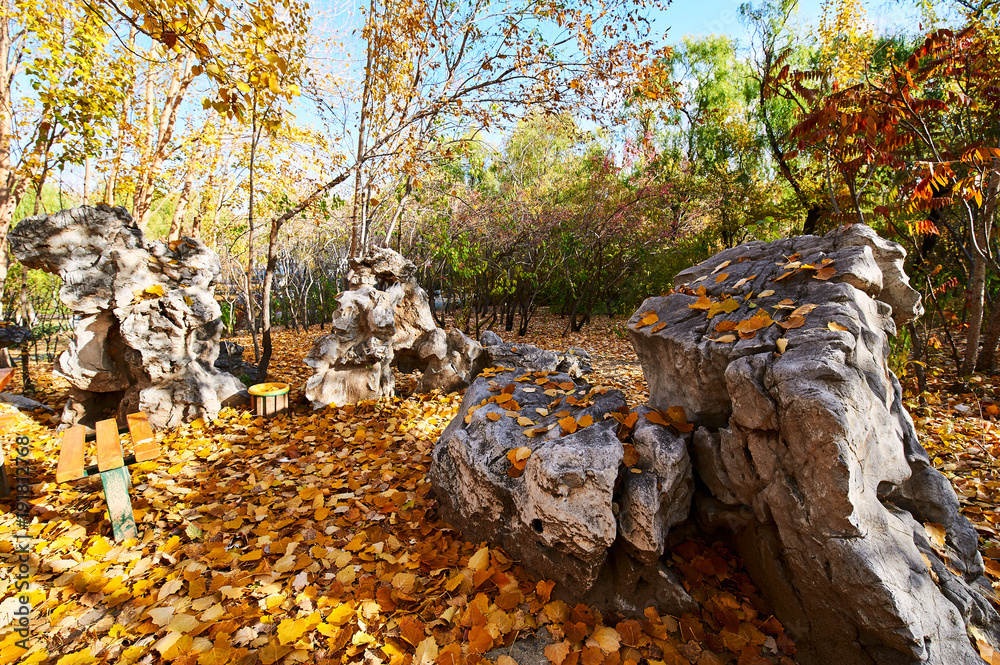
(726, 306)
(753, 324)
(825, 273)
(722, 265)
(648, 319)
(792, 322)
(703, 302)
(802, 310)
(568, 424)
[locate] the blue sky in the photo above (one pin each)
(701, 18)
(722, 17)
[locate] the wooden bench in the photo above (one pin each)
(6, 420)
(6, 375)
(112, 465)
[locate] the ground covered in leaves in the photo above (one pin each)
(312, 537)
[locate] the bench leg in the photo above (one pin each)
(116, 483)
(4, 480)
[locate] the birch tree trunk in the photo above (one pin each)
(158, 141)
(177, 220)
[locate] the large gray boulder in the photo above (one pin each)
(804, 442)
(150, 327)
(573, 512)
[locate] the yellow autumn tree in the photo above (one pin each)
(846, 40)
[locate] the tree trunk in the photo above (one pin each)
(975, 320)
(177, 220)
(86, 181)
(272, 261)
(988, 354)
(250, 315)
(987, 357)
(157, 145)
(981, 230)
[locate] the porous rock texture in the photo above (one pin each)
(12, 334)
(150, 327)
(575, 361)
(576, 514)
(384, 320)
(231, 360)
(807, 453)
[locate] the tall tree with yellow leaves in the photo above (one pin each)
(59, 93)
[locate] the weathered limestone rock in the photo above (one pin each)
(386, 270)
(12, 334)
(353, 363)
(385, 320)
(803, 439)
(452, 360)
(150, 329)
(356, 364)
(575, 361)
(558, 517)
(522, 355)
(231, 360)
(490, 338)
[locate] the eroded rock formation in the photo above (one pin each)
(806, 450)
(580, 511)
(150, 329)
(384, 320)
(777, 355)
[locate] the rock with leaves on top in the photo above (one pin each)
(778, 352)
(535, 462)
(575, 361)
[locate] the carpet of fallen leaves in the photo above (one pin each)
(312, 537)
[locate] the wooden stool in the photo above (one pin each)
(269, 399)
